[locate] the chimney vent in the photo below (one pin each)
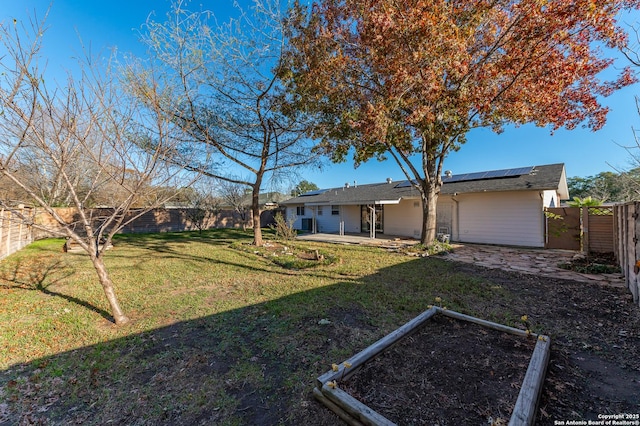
(448, 173)
(389, 180)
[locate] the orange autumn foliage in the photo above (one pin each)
(400, 78)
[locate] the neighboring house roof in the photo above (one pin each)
(533, 178)
(266, 198)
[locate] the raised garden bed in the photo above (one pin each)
(407, 378)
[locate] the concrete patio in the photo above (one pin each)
(381, 240)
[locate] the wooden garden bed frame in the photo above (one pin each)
(355, 412)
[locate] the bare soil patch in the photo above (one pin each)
(595, 263)
(582, 319)
(594, 367)
(449, 372)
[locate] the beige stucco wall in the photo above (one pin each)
(403, 219)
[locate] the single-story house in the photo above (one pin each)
(495, 207)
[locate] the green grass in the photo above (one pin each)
(219, 333)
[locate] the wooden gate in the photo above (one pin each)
(563, 228)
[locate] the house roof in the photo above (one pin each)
(534, 178)
(547, 177)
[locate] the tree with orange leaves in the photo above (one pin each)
(413, 77)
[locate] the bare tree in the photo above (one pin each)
(630, 179)
(78, 140)
(203, 204)
(220, 84)
(236, 196)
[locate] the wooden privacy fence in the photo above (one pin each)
(158, 220)
(590, 229)
(627, 231)
(599, 229)
(14, 233)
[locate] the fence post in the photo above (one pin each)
(615, 232)
(630, 246)
(620, 235)
(9, 226)
(634, 284)
(2, 232)
(584, 211)
(20, 229)
(630, 256)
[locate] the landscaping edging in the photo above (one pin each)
(355, 412)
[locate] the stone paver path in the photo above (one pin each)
(542, 262)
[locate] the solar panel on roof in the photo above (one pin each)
(523, 170)
(491, 174)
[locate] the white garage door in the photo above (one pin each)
(503, 218)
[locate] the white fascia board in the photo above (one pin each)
(352, 203)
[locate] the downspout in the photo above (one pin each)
(545, 236)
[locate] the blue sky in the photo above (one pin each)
(117, 23)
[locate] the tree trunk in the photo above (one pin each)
(429, 207)
(432, 161)
(107, 286)
(255, 214)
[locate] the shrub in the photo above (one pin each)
(435, 248)
(283, 228)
